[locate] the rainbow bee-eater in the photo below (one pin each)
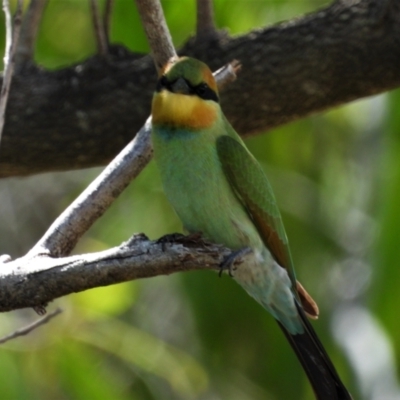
(218, 188)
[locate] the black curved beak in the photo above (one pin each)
(180, 86)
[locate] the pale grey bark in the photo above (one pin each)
(33, 282)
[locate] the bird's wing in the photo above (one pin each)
(252, 188)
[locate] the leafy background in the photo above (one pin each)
(193, 336)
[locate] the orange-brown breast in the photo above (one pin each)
(179, 110)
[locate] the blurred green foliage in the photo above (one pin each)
(194, 336)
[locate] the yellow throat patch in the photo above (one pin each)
(179, 110)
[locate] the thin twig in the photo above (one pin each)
(205, 27)
(107, 19)
(12, 36)
(29, 328)
(227, 74)
(30, 26)
(157, 32)
(99, 28)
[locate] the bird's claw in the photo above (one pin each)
(187, 240)
(229, 261)
(40, 310)
(171, 237)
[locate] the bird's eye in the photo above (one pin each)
(164, 81)
(205, 92)
(201, 89)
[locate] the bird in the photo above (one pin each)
(217, 188)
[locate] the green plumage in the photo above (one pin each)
(217, 188)
(198, 189)
(197, 186)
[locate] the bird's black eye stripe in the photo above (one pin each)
(163, 84)
(202, 90)
(205, 92)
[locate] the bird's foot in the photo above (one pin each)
(229, 262)
(40, 310)
(187, 240)
(168, 239)
(135, 239)
(171, 237)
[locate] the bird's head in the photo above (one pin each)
(186, 95)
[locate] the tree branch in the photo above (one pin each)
(157, 32)
(12, 36)
(30, 282)
(290, 70)
(107, 19)
(205, 26)
(26, 45)
(344, 52)
(99, 28)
